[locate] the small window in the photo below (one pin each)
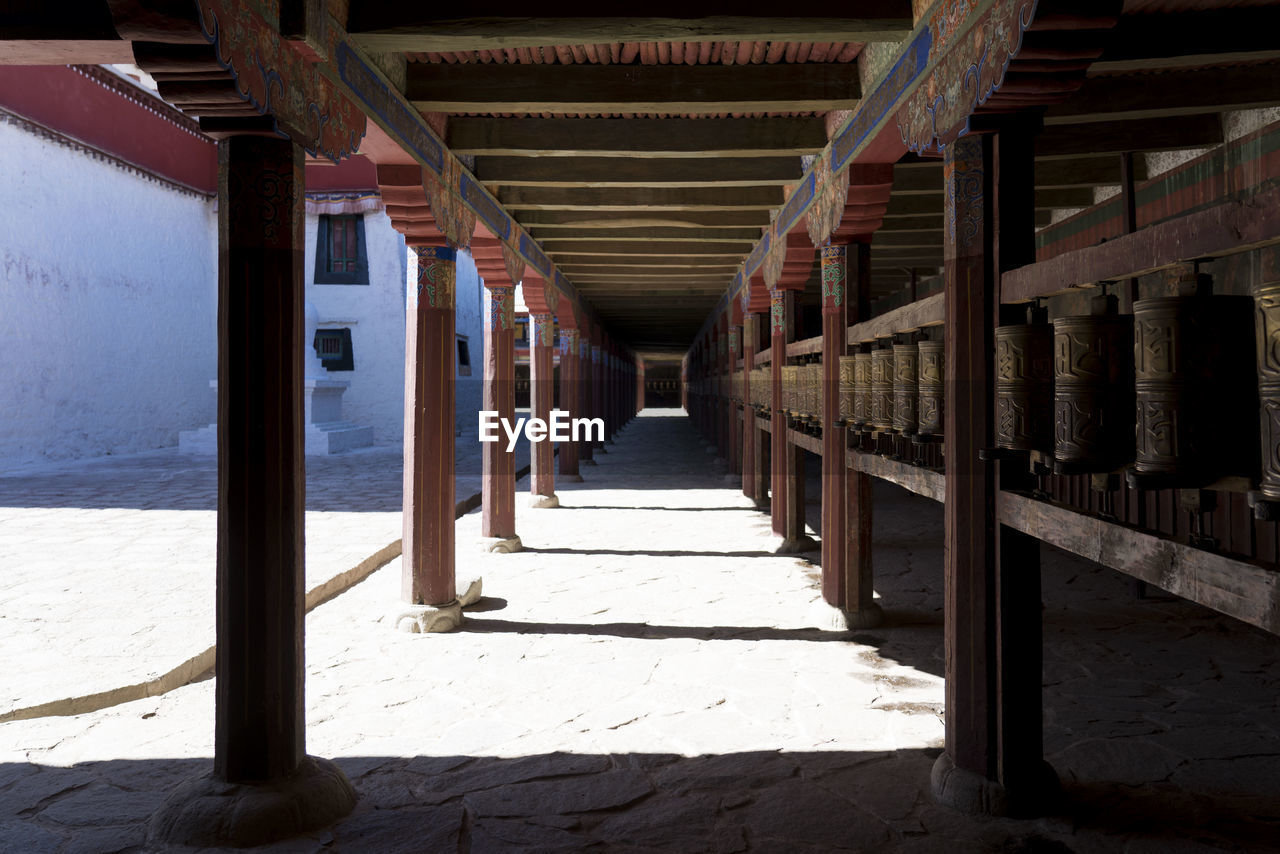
(333, 346)
(464, 357)
(340, 251)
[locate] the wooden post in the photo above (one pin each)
(498, 467)
(597, 387)
(542, 479)
(263, 786)
(639, 380)
(994, 759)
(732, 406)
(750, 337)
(781, 310)
(427, 568)
(570, 393)
(586, 393)
(859, 601)
(834, 336)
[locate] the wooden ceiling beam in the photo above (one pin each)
(640, 138)
(1172, 93)
(1204, 37)
(681, 235)
(1117, 137)
(561, 219)
(637, 199)
(533, 88)
(594, 247)
(638, 172)
(596, 257)
(383, 26)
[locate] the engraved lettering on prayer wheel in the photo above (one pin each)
(1024, 387)
(1092, 395)
(861, 388)
(813, 390)
(1267, 331)
(790, 382)
(1193, 387)
(846, 389)
(905, 390)
(930, 388)
(882, 388)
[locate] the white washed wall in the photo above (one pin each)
(108, 294)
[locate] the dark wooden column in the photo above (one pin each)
(994, 757)
(263, 786)
(598, 402)
(795, 538)
(261, 475)
(586, 392)
(498, 467)
(542, 479)
(781, 310)
(859, 604)
(731, 407)
(750, 337)
(639, 380)
(427, 568)
(834, 336)
(570, 392)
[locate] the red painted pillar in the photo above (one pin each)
(732, 376)
(750, 336)
(542, 480)
(781, 308)
(263, 786)
(597, 387)
(570, 390)
(638, 379)
(586, 389)
(859, 602)
(498, 466)
(992, 609)
(834, 335)
(427, 568)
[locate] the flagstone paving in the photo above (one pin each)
(649, 676)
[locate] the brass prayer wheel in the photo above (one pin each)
(1192, 388)
(1092, 393)
(861, 389)
(881, 417)
(905, 390)
(847, 372)
(1267, 346)
(1024, 385)
(930, 388)
(813, 390)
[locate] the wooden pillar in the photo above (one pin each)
(263, 786)
(586, 393)
(859, 603)
(750, 337)
(992, 624)
(427, 567)
(259, 722)
(570, 392)
(638, 380)
(731, 407)
(498, 466)
(542, 479)
(834, 336)
(781, 310)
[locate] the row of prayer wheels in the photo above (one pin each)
(1167, 392)
(896, 388)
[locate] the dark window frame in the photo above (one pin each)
(464, 350)
(323, 275)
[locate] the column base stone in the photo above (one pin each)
(423, 619)
(570, 478)
(503, 545)
(972, 793)
(207, 812)
(797, 545)
(543, 502)
(473, 592)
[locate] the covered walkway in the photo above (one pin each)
(647, 674)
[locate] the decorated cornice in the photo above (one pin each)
(279, 81)
(951, 63)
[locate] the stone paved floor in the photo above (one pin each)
(647, 676)
(109, 563)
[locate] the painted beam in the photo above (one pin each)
(637, 137)
(525, 88)
(637, 172)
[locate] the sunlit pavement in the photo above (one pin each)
(648, 676)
